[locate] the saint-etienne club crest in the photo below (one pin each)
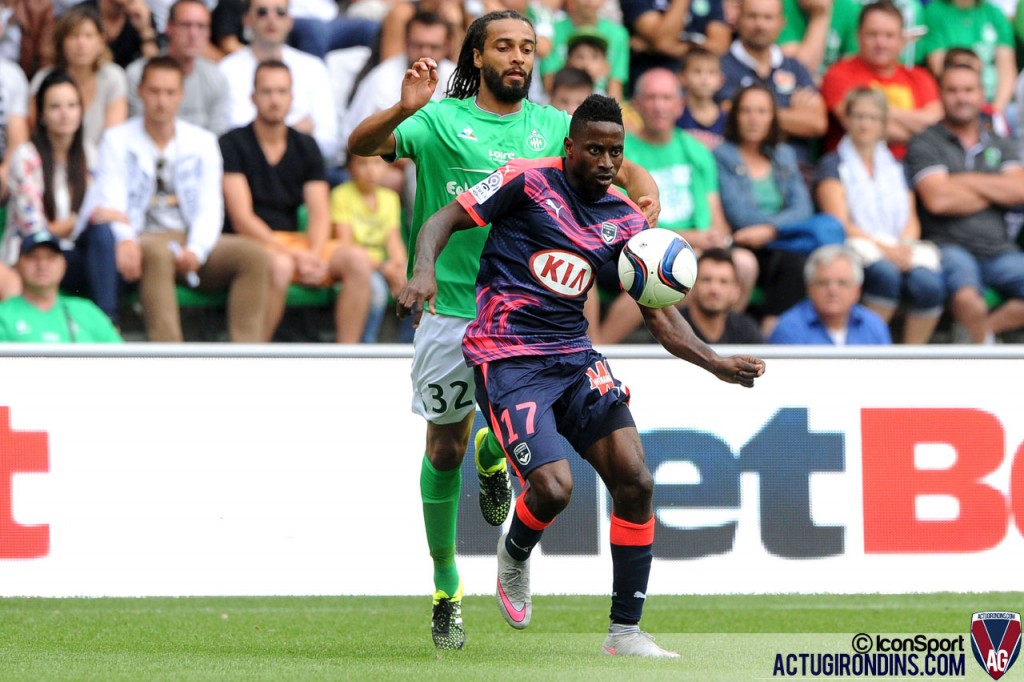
(995, 640)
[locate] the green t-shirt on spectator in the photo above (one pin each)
(982, 28)
(618, 47)
(70, 320)
(767, 194)
(685, 172)
(842, 34)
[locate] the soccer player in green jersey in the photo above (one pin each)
(485, 122)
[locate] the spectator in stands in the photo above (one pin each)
(13, 118)
(830, 315)
(688, 181)
(367, 223)
(588, 51)
(227, 29)
(393, 28)
(10, 283)
(710, 308)
(49, 178)
(129, 29)
(313, 111)
(36, 20)
(569, 88)
(427, 35)
(966, 178)
(864, 186)
(981, 26)
(755, 58)
(270, 171)
(911, 93)
(80, 50)
(701, 77)
(206, 89)
(768, 206)
(165, 176)
(817, 33)
(662, 31)
(585, 15)
(319, 28)
(41, 314)
(990, 118)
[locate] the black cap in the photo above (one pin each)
(37, 239)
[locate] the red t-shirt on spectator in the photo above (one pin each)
(905, 89)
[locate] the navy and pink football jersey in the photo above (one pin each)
(540, 259)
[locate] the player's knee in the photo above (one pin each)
(445, 450)
(551, 493)
(635, 490)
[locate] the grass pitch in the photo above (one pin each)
(388, 638)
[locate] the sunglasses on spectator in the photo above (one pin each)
(262, 12)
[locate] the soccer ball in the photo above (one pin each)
(657, 268)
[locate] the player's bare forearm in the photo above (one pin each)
(421, 288)
(375, 135)
(676, 335)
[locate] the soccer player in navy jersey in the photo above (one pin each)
(555, 221)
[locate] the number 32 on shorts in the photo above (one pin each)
(457, 391)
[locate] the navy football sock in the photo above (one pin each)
(524, 532)
(632, 552)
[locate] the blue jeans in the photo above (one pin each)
(318, 37)
(1004, 273)
(92, 270)
(923, 289)
(378, 305)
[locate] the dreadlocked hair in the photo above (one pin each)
(465, 80)
(595, 109)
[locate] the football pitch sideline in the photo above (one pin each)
(734, 637)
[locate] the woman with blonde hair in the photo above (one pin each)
(81, 50)
(865, 188)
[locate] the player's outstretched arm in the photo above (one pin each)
(421, 289)
(375, 135)
(641, 185)
(676, 335)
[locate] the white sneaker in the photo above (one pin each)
(637, 643)
(513, 590)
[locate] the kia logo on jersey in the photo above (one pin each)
(564, 273)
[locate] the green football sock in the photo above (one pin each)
(490, 455)
(439, 491)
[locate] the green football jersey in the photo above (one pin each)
(981, 28)
(842, 34)
(685, 173)
(456, 144)
(71, 320)
(618, 47)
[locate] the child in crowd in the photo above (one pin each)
(569, 88)
(367, 221)
(588, 51)
(701, 77)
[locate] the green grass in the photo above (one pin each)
(382, 638)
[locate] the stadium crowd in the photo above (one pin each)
(195, 153)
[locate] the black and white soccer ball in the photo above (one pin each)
(657, 267)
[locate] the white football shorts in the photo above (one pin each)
(442, 385)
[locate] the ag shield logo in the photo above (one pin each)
(995, 640)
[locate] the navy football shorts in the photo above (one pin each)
(529, 400)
